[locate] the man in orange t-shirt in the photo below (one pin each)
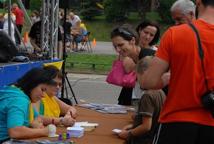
(183, 118)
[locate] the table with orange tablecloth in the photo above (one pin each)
(103, 133)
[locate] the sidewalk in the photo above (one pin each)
(93, 88)
(104, 48)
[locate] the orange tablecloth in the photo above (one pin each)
(103, 133)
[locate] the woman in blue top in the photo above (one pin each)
(15, 105)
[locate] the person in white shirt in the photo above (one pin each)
(74, 19)
(5, 26)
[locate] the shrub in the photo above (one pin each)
(116, 10)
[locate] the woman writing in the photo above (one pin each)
(16, 112)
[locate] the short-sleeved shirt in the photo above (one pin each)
(14, 110)
(19, 16)
(75, 20)
(35, 33)
(150, 106)
(146, 52)
(179, 48)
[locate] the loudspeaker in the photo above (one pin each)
(8, 48)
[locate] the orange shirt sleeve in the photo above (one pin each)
(165, 45)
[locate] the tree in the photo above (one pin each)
(116, 10)
(35, 4)
(164, 10)
(89, 9)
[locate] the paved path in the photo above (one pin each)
(104, 48)
(93, 88)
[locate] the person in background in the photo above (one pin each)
(1, 21)
(183, 11)
(50, 107)
(184, 119)
(16, 113)
(74, 19)
(149, 34)
(61, 16)
(125, 40)
(19, 21)
(78, 33)
(5, 26)
(66, 28)
(125, 37)
(35, 16)
(144, 127)
(35, 37)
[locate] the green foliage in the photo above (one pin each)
(116, 10)
(99, 29)
(153, 16)
(164, 10)
(35, 4)
(89, 9)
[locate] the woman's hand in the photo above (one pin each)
(37, 123)
(72, 112)
(68, 120)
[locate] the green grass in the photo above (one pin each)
(85, 62)
(101, 29)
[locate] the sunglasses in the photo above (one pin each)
(124, 32)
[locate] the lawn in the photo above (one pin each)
(83, 63)
(100, 29)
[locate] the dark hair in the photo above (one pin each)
(126, 32)
(143, 25)
(53, 72)
(32, 79)
(208, 2)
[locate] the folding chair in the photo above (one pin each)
(86, 43)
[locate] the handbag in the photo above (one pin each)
(119, 77)
(207, 99)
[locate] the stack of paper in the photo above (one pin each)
(106, 108)
(86, 125)
(75, 131)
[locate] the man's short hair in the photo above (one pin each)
(184, 6)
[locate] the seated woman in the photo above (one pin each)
(50, 107)
(79, 33)
(15, 105)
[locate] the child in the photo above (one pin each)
(145, 123)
